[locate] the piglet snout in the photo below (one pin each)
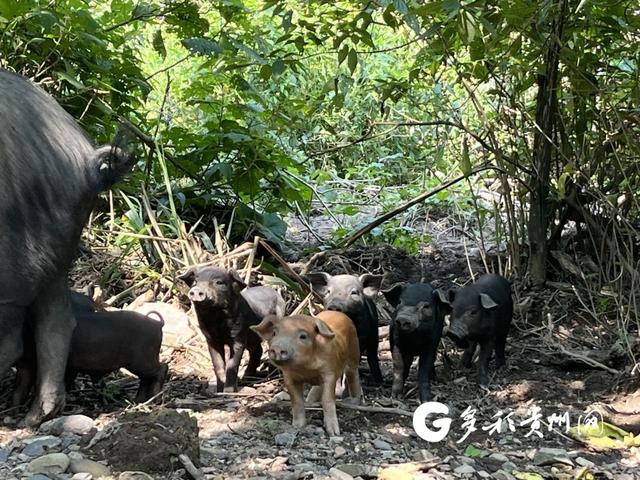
(279, 355)
(197, 294)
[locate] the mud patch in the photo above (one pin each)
(148, 441)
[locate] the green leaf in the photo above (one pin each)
(278, 67)
(467, 26)
(72, 80)
(158, 44)
(265, 72)
(401, 6)
(342, 54)
(352, 60)
(465, 161)
(472, 451)
(202, 46)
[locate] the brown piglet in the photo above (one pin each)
(315, 350)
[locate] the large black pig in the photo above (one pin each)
(481, 314)
(51, 177)
(225, 312)
(415, 330)
(352, 296)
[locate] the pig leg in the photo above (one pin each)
(53, 326)
(372, 360)
(295, 390)
(255, 356)
(500, 344)
(425, 371)
(483, 362)
(216, 350)
(399, 369)
(231, 383)
(467, 357)
(151, 385)
(329, 405)
(25, 379)
(11, 340)
(315, 394)
(353, 384)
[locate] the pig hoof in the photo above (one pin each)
(333, 429)
(41, 411)
(299, 422)
(230, 389)
(352, 401)
(396, 394)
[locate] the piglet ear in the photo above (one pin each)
(393, 294)
(443, 296)
(265, 328)
(319, 281)
(237, 283)
(324, 330)
(188, 277)
(370, 284)
(487, 302)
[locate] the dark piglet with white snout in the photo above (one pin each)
(481, 314)
(102, 343)
(315, 350)
(353, 296)
(225, 311)
(415, 330)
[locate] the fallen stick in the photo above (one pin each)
(589, 361)
(195, 473)
(372, 409)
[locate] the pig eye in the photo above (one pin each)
(303, 336)
(219, 282)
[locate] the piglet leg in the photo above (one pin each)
(398, 372)
(231, 385)
(295, 390)
(11, 343)
(425, 371)
(373, 361)
(329, 405)
(353, 385)
(216, 351)
(483, 362)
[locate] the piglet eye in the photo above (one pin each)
(219, 282)
(303, 336)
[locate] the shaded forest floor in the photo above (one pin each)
(248, 434)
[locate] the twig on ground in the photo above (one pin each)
(191, 469)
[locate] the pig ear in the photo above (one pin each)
(188, 277)
(487, 302)
(324, 330)
(265, 328)
(319, 281)
(238, 283)
(443, 296)
(393, 294)
(371, 284)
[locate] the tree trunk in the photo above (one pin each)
(542, 149)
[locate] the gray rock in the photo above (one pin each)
(464, 469)
(336, 440)
(466, 460)
(96, 469)
(134, 476)
(338, 474)
(39, 476)
(483, 474)
(76, 424)
(549, 456)
(35, 447)
(52, 463)
(4, 454)
(304, 467)
(358, 469)
(499, 457)
(583, 462)
(284, 439)
(381, 445)
(509, 466)
(502, 475)
(339, 452)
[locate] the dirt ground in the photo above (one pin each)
(248, 434)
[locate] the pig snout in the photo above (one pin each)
(406, 322)
(279, 355)
(197, 294)
(458, 333)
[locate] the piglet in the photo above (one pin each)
(317, 351)
(102, 343)
(225, 311)
(353, 296)
(481, 314)
(415, 329)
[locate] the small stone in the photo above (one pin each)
(281, 397)
(284, 439)
(82, 476)
(52, 463)
(336, 440)
(509, 466)
(466, 460)
(583, 462)
(338, 474)
(499, 457)
(39, 476)
(304, 467)
(38, 446)
(463, 469)
(502, 475)
(358, 470)
(381, 445)
(96, 469)
(75, 456)
(339, 452)
(483, 474)
(131, 475)
(549, 456)
(134, 476)
(76, 424)
(4, 454)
